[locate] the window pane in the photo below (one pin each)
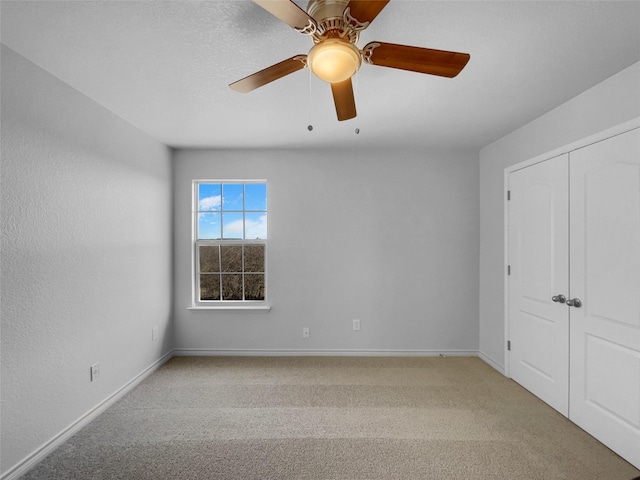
(231, 258)
(232, 287)
(208, 225)
(209, 260)
(254, 258)
(254, 287)
(255, 226)
(231, 218)
(232, 226)
(209, 197)
(255, 196)
(232, 196)
(210, 287)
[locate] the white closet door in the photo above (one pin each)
(538, 257)
(605, 276)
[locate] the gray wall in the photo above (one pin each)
(388, 237)
(612, 102)
(86, 255)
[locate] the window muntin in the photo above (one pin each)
(230, 225)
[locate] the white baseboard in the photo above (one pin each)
(492, 362)
(36, 456)
(214, 352)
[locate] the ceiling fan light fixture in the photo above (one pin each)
(335, 26)
(334, 60)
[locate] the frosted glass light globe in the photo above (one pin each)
(334, 60)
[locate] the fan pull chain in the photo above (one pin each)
(309, 127)
(357, 75)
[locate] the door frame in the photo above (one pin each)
(584, 142)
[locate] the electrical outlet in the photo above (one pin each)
(356, 324)
(305, 332)
(95, 371)
(154, 334)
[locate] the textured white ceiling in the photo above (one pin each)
(164, 66)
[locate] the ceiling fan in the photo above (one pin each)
(335, 26)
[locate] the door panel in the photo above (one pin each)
(605, 275)
(606, 392)
(538, 246)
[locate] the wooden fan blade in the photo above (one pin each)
(366, 10)
(416, 59)
(289, 13)
(269, 74)
(344, 100)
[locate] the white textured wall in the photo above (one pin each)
(388, 237)
(86, 255)
(610, 103)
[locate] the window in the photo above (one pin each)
(230, 243)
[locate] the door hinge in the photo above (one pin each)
(508, 194)
(508, 344)
(508, 269)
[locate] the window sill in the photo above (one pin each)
(231, 308)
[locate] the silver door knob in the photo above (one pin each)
(574, 302)
(559, 298)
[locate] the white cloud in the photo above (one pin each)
(210, 203)
(233, 229)
(253, 228)
(256, 229)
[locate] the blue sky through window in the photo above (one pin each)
(232, 196)
(255, 197)
(209, 196)
(208, 225)
(225, 210)
(232, 227)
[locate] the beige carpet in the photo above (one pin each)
(331, 418)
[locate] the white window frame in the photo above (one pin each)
(196, 302)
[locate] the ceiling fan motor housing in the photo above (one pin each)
(323, 9)
(329, 15)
